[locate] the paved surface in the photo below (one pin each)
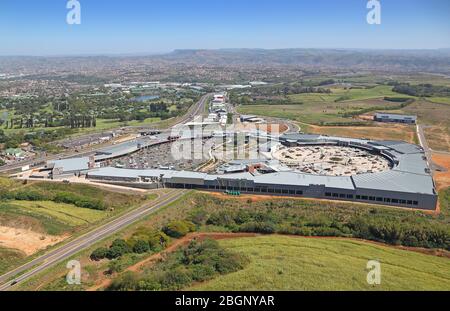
(71, 248)
(428, 151)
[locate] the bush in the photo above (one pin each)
(258, 227)
(80, 201)
(126, 282)
(178, 228)
(116, 266)
(199, 261)
(122, 245)
(117, 249)
(29, 195)
(141, 247)
(157, 240)
(114, 253)
(99, 254)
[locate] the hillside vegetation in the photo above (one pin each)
(290, 263)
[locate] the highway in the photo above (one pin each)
(192, 112)
(72, 247)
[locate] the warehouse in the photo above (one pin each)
(395, 118)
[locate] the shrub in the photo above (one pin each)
(141, 247)
(126, 282)
(99, 254)
(157, 240)
(116, 266)
(122, 245)
(29, 195)
(178, 228)
(114, 252)
(80, 201)
(258, 227)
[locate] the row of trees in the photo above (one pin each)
(391, 227)
(422, 90)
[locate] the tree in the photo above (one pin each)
(121, 245)
(99, 254)
(141, 247)
(178, 228)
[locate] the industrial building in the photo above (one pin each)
(395, 118)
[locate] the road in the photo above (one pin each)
(193, 111)
(71, 248)
(428, 151)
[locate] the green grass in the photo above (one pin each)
(67, 213)
(315, 108)
(8, 257)
(289, 263)
(440, 100)
(349, 95)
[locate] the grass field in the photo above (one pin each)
(290, 263)
(8, 257)
(66, 213)
(348, 94)
(315, 108)
(440, 100)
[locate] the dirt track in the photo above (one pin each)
(442, 178)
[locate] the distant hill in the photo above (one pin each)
(403, 60)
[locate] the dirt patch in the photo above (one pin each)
(377, 132)
(438, 137)
(442, 178)
(26, 241)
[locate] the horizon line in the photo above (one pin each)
(136, 54)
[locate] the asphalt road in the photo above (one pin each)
(193, 111)
(71, 248)
(428, 151)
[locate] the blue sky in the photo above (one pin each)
(151, 26)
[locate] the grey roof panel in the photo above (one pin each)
(395, 181)
(71, 165)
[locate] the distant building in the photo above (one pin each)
(14, 152)
(251, 119)
(396, 118)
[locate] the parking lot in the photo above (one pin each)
(165, 156)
